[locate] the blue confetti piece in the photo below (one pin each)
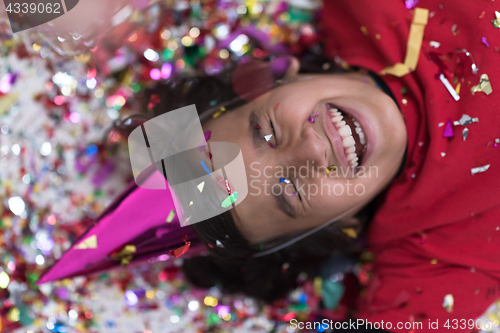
(282, 180)
(322, 327)
(205, 167)
(91, 150)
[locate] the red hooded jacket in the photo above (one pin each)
(438, 231)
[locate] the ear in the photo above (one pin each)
(293, 69)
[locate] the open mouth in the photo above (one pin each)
(351, 132)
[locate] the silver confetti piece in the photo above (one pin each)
(268, 137)
(465, 131)
(473, 171)
(287, 181)
(443, 154)
(465, 120)
(448, 302)
(218, 243)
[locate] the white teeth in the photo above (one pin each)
(345, 131)
(351, 156)
(348, 142)
(340, 124)
(362, 139)
(337, 119)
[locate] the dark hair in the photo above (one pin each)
(230, 263)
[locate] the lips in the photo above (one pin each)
(352, 136)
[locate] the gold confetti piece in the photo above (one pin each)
(473, 171)
(448, 302)
(88, 243)
(171, 216)
(413, 47)
(350, 232)
(125, 255)
(483, 86)
(219, 112)
(457, 88)
(317, 285)
(7, 101)
(200, 186)
(330, 169)
(364, 31)
(434, 261)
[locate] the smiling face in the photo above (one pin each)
(331, 145)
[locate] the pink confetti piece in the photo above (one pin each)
(485, 42)
(448, 129)
(311, 119)
(410, 4)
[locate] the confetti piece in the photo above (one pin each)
(88, 243)
(311, 119)
(316, 114)
(171, 216)
(272, 145)
(443, 154)
(413, 46)
(410, 4)
(482, 15)
(219, 244)
(473, 171)
(483, 86)
(435, 44)
(205, 167)
(350, 232)
(457, 88)
(465, 132)
(258, 127)
(449, 87)
(200, 186)
(485, 42)
(448, 130)
(441, 124)
(208, 135)
(496, 23)
(282, 180)
(434, 261)
(330, 169)
(125, 255)
(181, 250)
(191, 203)
(448, 302)
(276, 107)
(496, 142)
(230, 200)
(268, 137)
(465, 120)
(219, 112)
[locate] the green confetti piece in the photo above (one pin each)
(404, 90)
(171, 216)
(332, 293)
(230, 200)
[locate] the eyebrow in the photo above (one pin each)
(281, 200)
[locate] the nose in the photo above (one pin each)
(307, 149)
